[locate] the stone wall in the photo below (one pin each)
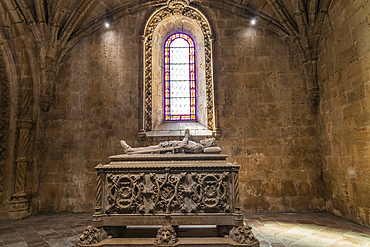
(96, 106)
(344, 77)
(266, 123)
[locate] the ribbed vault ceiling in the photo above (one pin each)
(74, 19)
(99, 8)
(50, 28)
(104, 6)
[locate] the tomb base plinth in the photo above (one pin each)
(182, 242)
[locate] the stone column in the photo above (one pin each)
(19, 204)
(18, 207)
(215, 131)
(142, 133)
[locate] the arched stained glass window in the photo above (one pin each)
(179, 78)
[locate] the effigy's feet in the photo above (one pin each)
(125, 146)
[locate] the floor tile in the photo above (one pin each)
(272, 229)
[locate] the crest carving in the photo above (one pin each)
(177, 7)
(210, 192)
(125, 193)
(168, 193)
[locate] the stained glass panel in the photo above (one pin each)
(179, 78)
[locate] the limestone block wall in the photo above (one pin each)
(344, 77)
(266, 122)
(96, 106)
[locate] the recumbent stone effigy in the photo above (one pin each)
(170, 184)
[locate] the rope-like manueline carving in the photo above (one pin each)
(98, 199)
(98, 190)
(21, 172)
(20, 182)
(24, 137)
(237, 188)
(152, 24)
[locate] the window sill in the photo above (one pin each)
(168, 129)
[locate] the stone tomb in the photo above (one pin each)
(170, 190)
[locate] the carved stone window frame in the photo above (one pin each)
(176, 8)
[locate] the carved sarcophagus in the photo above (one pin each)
(171, 190)
(167, 189)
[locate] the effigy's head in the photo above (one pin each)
(209, 142)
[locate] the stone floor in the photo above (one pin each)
(272, 229)
(306, 229)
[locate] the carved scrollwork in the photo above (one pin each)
(177, 7)
(125, 193)
(168, 193)
(210, 192)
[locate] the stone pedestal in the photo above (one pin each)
(168, 190)
(18, 207)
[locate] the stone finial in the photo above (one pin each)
(166, 235)
(177, 5)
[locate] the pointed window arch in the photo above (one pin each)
(179, 78)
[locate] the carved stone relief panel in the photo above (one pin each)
(125, 193)
(168, 193)
(158, 193)
(210, 192)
